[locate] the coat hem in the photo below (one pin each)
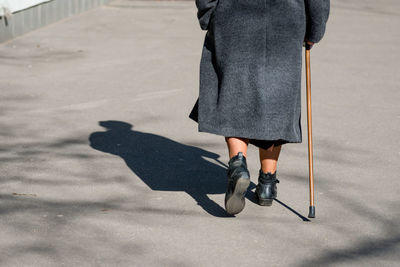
(232, 132)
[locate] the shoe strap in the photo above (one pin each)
(267, 178)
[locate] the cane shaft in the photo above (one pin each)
(309, 128)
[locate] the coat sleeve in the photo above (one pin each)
(204, 11)
(317, 13)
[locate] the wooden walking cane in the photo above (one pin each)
(311, 213)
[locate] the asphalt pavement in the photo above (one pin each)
(101, 166)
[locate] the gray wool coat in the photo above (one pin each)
(250, 68)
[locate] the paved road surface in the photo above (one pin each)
(100, 165)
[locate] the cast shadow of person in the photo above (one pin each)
(163, 164)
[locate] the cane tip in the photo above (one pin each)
(311, 213)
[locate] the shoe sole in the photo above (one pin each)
(264, 202)
(236, 201)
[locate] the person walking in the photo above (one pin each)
(250, 82)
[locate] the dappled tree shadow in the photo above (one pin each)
(365, 247)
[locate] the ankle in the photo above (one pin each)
(239, 156)
(236, 153)
(268, 171)
(266, 177)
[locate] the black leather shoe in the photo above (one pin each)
(266, 189)
(238, 182)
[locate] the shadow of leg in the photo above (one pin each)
(209, 205)
(250, 195)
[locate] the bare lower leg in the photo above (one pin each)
(236, 145)
(269, 158)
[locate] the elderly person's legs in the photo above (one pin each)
(269, 158)
(236, 145)
(238, 175)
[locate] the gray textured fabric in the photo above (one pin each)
(250, 69)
